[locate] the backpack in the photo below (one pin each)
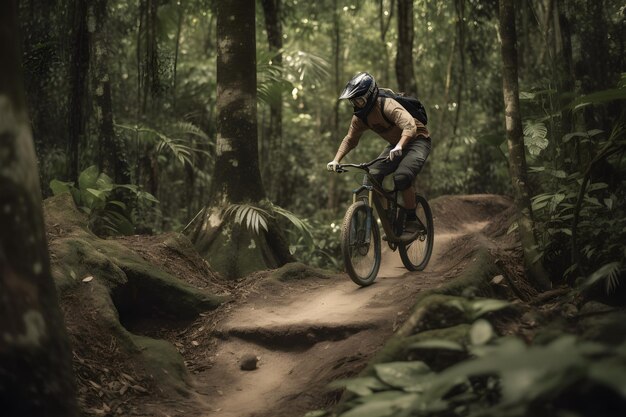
(410, 104)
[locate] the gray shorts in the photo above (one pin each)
(405, 168)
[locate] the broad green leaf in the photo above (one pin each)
(147, 196)
(88, 178)
(481, 307)
(100, 195)
(596, 186)
(441, 344)
(60, 187)
(481, 332)
(104, 182)
(535, 137)
(361, 386)
(387, 404)
(599, 97)
(610, 372)
(400, 374)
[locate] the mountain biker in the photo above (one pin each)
(409, 140)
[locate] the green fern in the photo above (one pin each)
(175, 141)
(256, 218)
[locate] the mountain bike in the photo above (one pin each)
(360, 234)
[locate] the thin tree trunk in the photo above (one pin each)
(35, 358)
(111, 155)
(515, 140)
(565, 68)
(179, 27)
(404, 57)
(40, 45)
(384, 23)
(79, 65)
(332, 201)
(274, 129)
(460, 8)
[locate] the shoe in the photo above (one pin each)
(412, 226)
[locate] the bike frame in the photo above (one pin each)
(376, 196)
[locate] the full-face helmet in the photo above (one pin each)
(359, 89)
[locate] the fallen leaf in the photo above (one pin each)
(139, 388)
(193, 342)
(87, 279)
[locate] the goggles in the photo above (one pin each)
(358, 101)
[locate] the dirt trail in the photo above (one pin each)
(307, 333)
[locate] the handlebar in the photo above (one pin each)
(364, 166)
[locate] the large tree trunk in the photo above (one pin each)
(404, 58)
(79, 65)
(231, 248)
(515, 140)
(35, 364)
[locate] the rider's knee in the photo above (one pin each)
(402, 181)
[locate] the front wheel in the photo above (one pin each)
(416, 254)
(360, 244)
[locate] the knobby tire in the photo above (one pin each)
(354, 248)
(416, 255)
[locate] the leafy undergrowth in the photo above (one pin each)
(561, 356)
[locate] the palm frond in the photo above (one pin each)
(609, 272)
(300, 224)
(254, 218)
(307, 67)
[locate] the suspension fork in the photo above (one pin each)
(369, 219)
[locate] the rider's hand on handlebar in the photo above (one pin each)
(395, 152)
(332, 166)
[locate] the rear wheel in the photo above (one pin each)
(416, 254)
(360, 244)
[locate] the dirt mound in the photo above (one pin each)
(154, 333)
(107, 285)
(453, 213)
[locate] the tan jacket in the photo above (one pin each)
(404, 125)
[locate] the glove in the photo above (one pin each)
(332, 166)
(395, 152)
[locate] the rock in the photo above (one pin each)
(498, 280)
(248, 362)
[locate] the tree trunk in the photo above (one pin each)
(79, 66)
(35, 362)
(563, 40)
(515, 140)
(231, 248)
(111, 154)
(332, 201)
(404, 58)
(384, 23)
(40, 47)
(274, 130)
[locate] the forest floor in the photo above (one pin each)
(305, 327)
